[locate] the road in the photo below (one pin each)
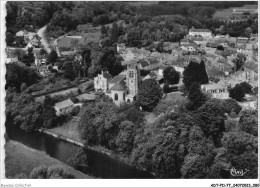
(44, 42)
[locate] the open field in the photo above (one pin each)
(68, 130)
(22, 159)
(228, 12)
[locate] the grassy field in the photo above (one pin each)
(68, 130)
(22, 159)
(228, 12)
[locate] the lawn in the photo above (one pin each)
(68, 130)
(22, 159)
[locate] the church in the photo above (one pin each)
(121, 88)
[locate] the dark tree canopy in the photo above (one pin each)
(149, 94)
(195, 72)
(237, 93)
(171, 76)
(196, 97)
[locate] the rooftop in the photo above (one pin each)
(118, 87)
(212, 86)
(64, 104)
(117, 79)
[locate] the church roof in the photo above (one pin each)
(117, 79)
(119, 87)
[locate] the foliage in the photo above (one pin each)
(149, 94)
(249, 122)
(196, 97)
(48, 113)
(195, 72)
(237, 92)
(246, 87)
(52, 57)
(51, 172)
(69, 73)
(75, 111)
(16, 75)
(99, 124)
(171, 76)
(125, 136)
(79, 160)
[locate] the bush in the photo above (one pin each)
(75, 111)
(79, 160)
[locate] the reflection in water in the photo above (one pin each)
(100, 165)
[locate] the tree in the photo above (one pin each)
(52, 57)
(196, 97)
(166, 88)
(51, 172)
(42, 52)
(125, 137)
(134, 37)
(195, 72)
(103, 30)
(249, 122)
(248, 32)
(149, 94)
(114, 33)
(212, 116)
(237, 93)
(220, 47)
(79, 160)
(231, 105)
(48, 113)
(238, 63)
(246, 87)
(171, 76)
(68, 70)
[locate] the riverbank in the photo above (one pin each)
(22, 159)
(69, 133)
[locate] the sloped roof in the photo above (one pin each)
(153, 61)
(107, 75)
(117, 79)
(143, 62)
(199, 30)
(213, 71)
(213, 86)
(64, 104)
(251, 66)
(215, 80)
(118, 87)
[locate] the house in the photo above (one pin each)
(10, 57)
(217, 91)
(40, 59)
(242, 40)
(200, 32)
(29, 36)
(21, 33)
(215, 72)
(120, 48)
(250, 71)
(249, 103)
(36, 41)
(63, 107)
(101, 81)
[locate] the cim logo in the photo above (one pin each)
(235, 172)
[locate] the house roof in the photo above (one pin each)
(212, 79)
(153, 61)
(213, 86)
(117, 79)
(64, 104)
(212, 44)
(251, 66)
(107, 75)
(213, 71)
(143, 62)
(199, 30)
(118, 87)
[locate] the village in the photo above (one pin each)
(131, 90)
(218, 52)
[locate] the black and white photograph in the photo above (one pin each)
(134, 90)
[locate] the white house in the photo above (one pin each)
(63, 107)
(218, 91)
(200, 32)
(101, 81)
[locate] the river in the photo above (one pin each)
(100, 165)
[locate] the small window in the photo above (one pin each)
(116, 97)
